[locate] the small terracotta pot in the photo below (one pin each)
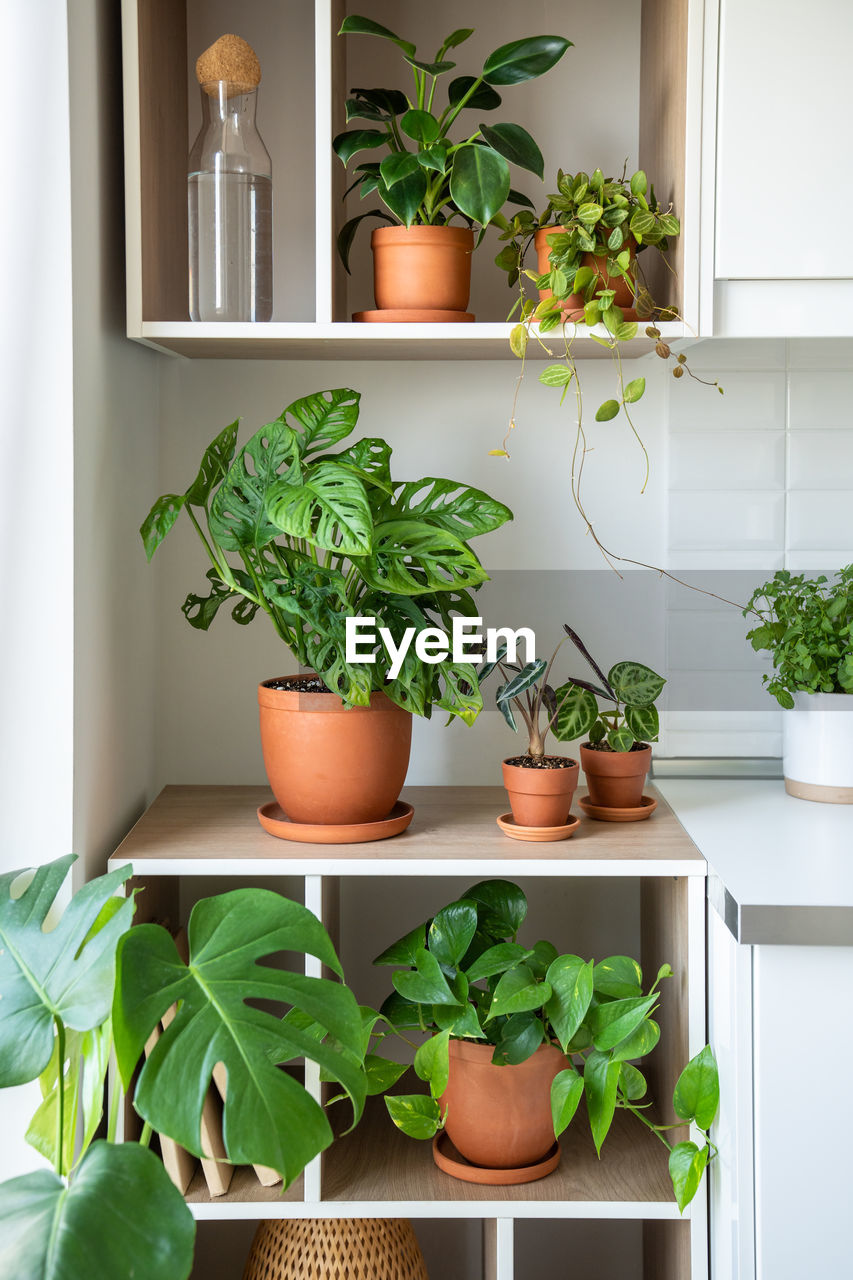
(332, 766)
(616, 778)
(500, 1117)
(540, 797)
(572, 306)
(422, 268)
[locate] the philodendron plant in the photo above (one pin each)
(426, 178)
(806, 624)
(310, 537)
(91, 985)
(464, 975)
(571, 710)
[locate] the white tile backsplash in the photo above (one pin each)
(702, 642)
(744, 523)
(820, 353)
(750, 401)
(820, 459)
(820, 518)
(820, 399)
(727, 460)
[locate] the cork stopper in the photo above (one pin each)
(229, 58)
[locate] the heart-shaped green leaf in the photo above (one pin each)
(613, 1021)
(496, 960)
(600, 1081)
(618, 976)
(643, 722)
(382, 1073)
(460, 1020)
(517, 991)
(632, 1082)
(268, 1117)
(346, 145)
(501, 905)
(47, 974)
(405, 950)
(479, 182)
(521, 1035)
(405, 197)
(577, 712)
(697, 1092)
(621, 739)
(432, 1063)
(434, 157)
(571, 987)
(635, 683)
(427, 985)
(638, 1043)
(421, 126)
(399, 165)
(484, 98)
(522, 60)
(416, 1115)
(120, 1219)
(687, 1163)
(451, 932)
(566, 1093)
(329, 510)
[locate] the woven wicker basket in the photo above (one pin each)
(335, 1249)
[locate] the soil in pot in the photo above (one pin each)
(499, 1117)
(422, 269)
(327, 764)
(540, 790)
(572, 306)
(615, 779)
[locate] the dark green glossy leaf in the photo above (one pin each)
(515, 145)
(354, 25)
(517, 991)
(613, 1021)
(238, 518)
(434, 157)
(459, 1019)
(416, 1115)
(496, 959)
(159, 521)
(200, 611)
(600, 1081)
(346, 145)
(431, 68)
(541, 957)
(402, 1013)
(521, 1035)
(396, 167)
(643, 722)
(697, 1092)
(577, 712)
(484, 98)
(382, 1073)
(427, 985)
(638, 1043)
(452, 931)
(405, 197)
(618, 976)
(522, 60)
(218, 457)
(405, 950)
(526, 678)
(620, 739)
(389, 101)
(566, 1093)
(502, 907)
(346, 235)
(479, 182)
(570, 978)
(635, 683)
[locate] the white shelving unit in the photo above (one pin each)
(654, 120)
(212, 832)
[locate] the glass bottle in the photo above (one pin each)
(230, 209)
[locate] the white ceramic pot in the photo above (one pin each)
(817, 746)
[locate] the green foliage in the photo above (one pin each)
(308, 536)
(571, 710)
(516, 998)
(437, 180)
(806, 624)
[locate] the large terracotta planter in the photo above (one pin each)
(422, 270)
(817, 747)
(500, 1117)
(572, 306)
(616, 778)
(329, 765)
(540, 797)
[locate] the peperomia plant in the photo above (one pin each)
(316, 536)
(806, 624)
(464, 975)
(73, 992)
(571, 710)
(426, 178)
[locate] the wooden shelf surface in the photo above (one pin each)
(342, 341)
(204, 830)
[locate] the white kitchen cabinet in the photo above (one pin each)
(782, 257)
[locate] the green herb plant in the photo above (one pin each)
(601, 229)
(309, 537)
(427, 179)
(90, 987)
(806, 624)
(571, 710)
(464, 975)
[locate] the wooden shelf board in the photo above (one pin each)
(309, 341)
(245, 1189)
(379, 1163)
(203, 830)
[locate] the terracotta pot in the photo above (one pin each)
(500, 1117)
(329, 765)
(422, 268)
(540, 797)
(616, 778)
(573, 304)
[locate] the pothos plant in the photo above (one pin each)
(806, 624)
(309, 537)
(571, 710)
(601, 228)
(91, 986)
(426, 178)
(464, 975)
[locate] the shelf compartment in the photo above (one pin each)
(204, 830)
(377, 1164)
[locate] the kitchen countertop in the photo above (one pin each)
(780, 870)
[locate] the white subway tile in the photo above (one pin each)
(819, 560)
(701, 641)
(821, 460)
(751, 400)
(727, 460)
(717, 354)
(744, 523)
(820, 519)
(820, 400)
(820, 353)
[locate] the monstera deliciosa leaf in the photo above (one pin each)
(268, 1116)
(120, 1218)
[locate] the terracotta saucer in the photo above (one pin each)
(274, 820)
(450, 1161)
(605, 814)
(397, 316)
(539, 835)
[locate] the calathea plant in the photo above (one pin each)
(464, 975)
(806, 624)
(310, 537)
(73, 992)
(426, 178)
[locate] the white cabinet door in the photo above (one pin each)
(785, 140)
